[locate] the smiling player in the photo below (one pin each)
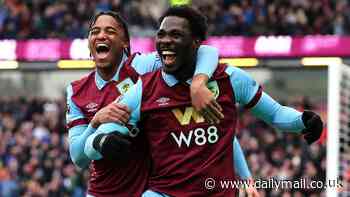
(90, 104)
(185, 149)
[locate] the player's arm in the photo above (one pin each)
(240, 164)
(202, 99)
(207, 60)
(285, 118)
(78, 131)
(250, 94)
(241, 168)
(110, 140)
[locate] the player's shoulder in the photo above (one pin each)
(83, 79)
(80, 83)
(132, 58)
(222, 71)
(128, 70)
(149, 80)
(144, 56)
(151, 75)
(145, 59)
(237, 73)
(144, 63)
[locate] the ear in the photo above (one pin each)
(196, 43)
(126, 48)
(90, 48)
(125, 43)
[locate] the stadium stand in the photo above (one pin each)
(69, 18)
(35, 161)
(33, 139)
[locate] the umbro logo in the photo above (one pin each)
(163, 101)
(92, 107)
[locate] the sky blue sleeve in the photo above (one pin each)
(241, 166)
(77, 135)
(281, 117)
(73, 111)
(144, 63)
(132, 99)
(150, 193)
(207, 61)
(244, 86)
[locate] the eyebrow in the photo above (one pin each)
(108, 27)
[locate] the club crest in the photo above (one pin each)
(125, 85)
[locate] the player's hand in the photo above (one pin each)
(114, 112)
(112, 146)
(314, 126)
(203, 100)
(250, 190)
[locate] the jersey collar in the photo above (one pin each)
(100, 83)
(170, 80)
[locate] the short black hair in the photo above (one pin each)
(198, 22)
(119, 20)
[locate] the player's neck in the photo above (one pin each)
(108, 72)
(184, 74)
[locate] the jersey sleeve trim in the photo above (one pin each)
(81, 121)
(255, 99)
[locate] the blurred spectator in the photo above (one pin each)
(35, 161)
(283, 157)
(17, 23)
(70, 19)
(34, 150)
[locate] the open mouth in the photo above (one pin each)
(168, 57)
(102, 50)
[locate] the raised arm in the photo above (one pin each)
(250, 94)
(110, 137)
(202, 98)
(207, 61)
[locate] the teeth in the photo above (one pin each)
(102, 45)
(168, 53)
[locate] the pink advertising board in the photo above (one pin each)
(230, 46)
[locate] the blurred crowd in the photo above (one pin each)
(34, 150)
(70, 18)
(280, 156)
(35, 160)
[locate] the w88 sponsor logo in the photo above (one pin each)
(198, 136)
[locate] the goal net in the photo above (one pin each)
(338, 139)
